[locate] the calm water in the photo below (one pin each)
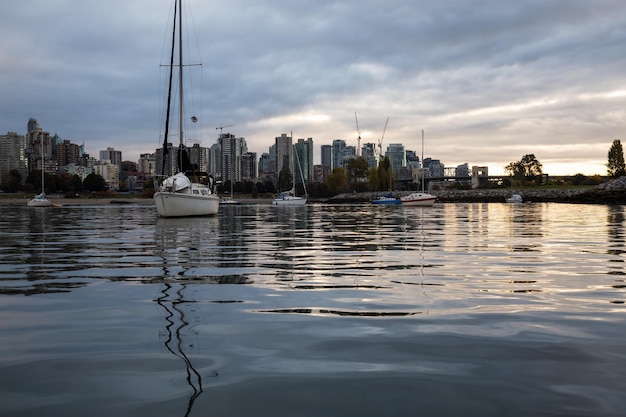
(455, 310)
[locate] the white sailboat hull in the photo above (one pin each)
(289, 201)
(229, 202)
(39, 201)
(185, 204)
(418, 199)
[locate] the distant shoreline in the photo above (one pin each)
(78, 201)
(101, 201)
(611, 192)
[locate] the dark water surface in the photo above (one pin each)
(455, 310)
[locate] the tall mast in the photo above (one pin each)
(43, 174)
(180, 70)
(169, 96)
(423, 190)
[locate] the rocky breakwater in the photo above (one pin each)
(565, 195)
(610, 192)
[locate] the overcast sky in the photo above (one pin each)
(488, 81)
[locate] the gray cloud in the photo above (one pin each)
(488, 81)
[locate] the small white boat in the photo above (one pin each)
(288, 199)
(422, 198)
(418, 199)
(39, 201)
(515, 198)
(227, 201)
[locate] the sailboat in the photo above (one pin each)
(40, 200)
(421, 198)
(177, 195)
(289, 198)
(230, 200)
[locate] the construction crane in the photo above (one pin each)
(358, 149)
(220, 127)
(380, 141)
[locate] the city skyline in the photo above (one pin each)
(116, 156)
(487, 81)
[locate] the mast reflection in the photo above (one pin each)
(172, 300)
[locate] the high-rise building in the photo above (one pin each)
(412, 160)
(32, 125)
(397, 157)
(67, 153)
(284, 154)
(349, 153)
(249, 167)
(327, 156)
(12, 156)
(198, 158)
(110, 154)
(272, 165)
(368, 151)
(215, 159)
(339, 145)
(147, 164)
(434, 167)
(267, 166)
(34, 139)
(112, 157)
(462, 170)
(304, 160)
(110, 172)
(232, 150)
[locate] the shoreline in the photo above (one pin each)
(79, 201)
(458, 196)
(612, 193)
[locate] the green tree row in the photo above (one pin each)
(64, 183)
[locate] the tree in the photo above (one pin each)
(285, 179)
(336, 181)
(33, 181)
(94, 182)
(372, 179)
(357, 169)
(269, 187)
(12, 181)
(528, 168)
(384, 174)
(615, 165)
